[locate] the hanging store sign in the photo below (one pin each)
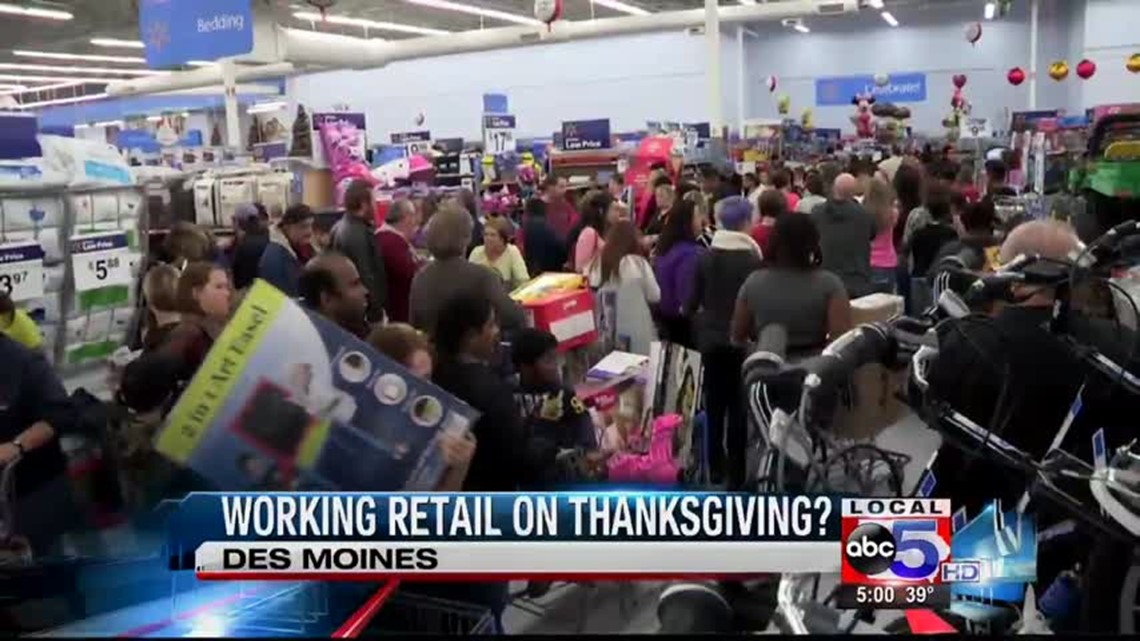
(416, 142)
(176, 32)
(22, 271)
(582, 135)
(840, 90)
(100, 260)
(498, 133)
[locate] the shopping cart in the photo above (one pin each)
(14, 549)
(390, 611)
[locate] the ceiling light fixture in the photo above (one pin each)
(200, 63)
(67, 79)
(12, 66)
(35, 12)
(875, 4)
(447, 5)
(109, 123)
(991, 10)
(266, 107)
(62, 101)
(802, 28)
(624, 7)
(890, 19)
(115, 42)
(78, 56)
(378, 25)
(154, 118)
(747, 2)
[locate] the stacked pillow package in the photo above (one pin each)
(102, 198)
(32, 210)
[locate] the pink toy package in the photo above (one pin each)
(659, 465)
(343, 144)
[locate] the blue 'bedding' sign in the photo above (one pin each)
(579, 135)
(841, 90)
(178, 31)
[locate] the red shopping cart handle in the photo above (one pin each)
(355, 624)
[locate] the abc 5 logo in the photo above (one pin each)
(891, 551)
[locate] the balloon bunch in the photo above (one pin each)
(783, 101)
(891, 121)
(959, 109)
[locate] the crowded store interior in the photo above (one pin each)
(850, 247)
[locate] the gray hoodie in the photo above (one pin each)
(846, 230)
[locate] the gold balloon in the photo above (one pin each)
(1133, 63)
(1059, 70)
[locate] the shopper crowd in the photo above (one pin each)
(706, 266)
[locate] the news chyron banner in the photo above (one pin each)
(477, 537)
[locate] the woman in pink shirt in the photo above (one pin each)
(782, 180)
(880, 201)
(599, 210)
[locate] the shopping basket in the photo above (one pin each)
(14, 549)
(390, 611)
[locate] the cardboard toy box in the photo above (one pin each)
(874, 404)
(560, 304)
(328, 413)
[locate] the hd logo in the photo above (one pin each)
(890, 541)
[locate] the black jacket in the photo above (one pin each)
(719, 277)
(246, 257)
(355, 238)
(30, 392)
(504, 461)
(543, 250)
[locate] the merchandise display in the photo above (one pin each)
(763, 307)
(330, 413)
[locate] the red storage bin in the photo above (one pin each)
(569, 316)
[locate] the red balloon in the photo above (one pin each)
(1086, 68)
(960, 80)
(1015, 76)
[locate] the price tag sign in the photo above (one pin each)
(416, 142)
(498, 134)
(100, 260)
(22, 271)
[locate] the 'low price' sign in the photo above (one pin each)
(22, 271)
(100, 260)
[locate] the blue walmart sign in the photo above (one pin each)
(841, 90)
(178, 31)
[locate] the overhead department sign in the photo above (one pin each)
(178, 31)
(841, 90)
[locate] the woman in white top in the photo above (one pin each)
(626, 289)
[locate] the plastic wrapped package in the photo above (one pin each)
(105, 207)
(29, 173)
(31, 213)
(47, 237)
(85, 162)
(273, 190)
(54, 278)
(204, 213)
(97, 326)
(233, 192)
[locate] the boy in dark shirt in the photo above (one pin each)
(554, 415)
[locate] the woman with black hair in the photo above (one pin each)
(678, 255)
(794, 291)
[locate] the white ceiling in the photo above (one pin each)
(118, 19)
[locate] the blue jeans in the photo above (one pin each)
(884, 279)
